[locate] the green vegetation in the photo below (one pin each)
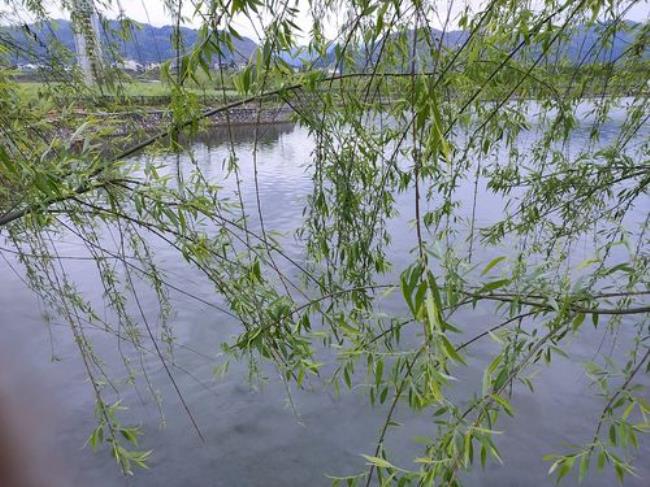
(131, 93)
(584, 81)
(139, 89)
(416, 118)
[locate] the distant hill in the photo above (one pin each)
(583, 47)
(147, 44)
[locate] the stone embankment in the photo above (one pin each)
(123, 123)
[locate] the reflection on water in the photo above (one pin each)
(253, 438)
(267, 134)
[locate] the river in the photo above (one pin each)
(252, 436)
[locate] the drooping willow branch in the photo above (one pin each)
(17, 214)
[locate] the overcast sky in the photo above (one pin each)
(152, 11)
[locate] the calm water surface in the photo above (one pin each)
(252, 436)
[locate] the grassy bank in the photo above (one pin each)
(153, 93)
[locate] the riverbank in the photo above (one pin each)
(152, 119)
(126, 124)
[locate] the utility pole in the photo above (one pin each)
(85, 24)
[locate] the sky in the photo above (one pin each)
(153, 12)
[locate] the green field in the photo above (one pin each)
(140, 92)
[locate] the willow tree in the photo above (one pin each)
(398, 103)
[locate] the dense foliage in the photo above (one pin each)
(402, 113)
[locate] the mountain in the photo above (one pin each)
(583, 46)
(146, 44)
(299, 57)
